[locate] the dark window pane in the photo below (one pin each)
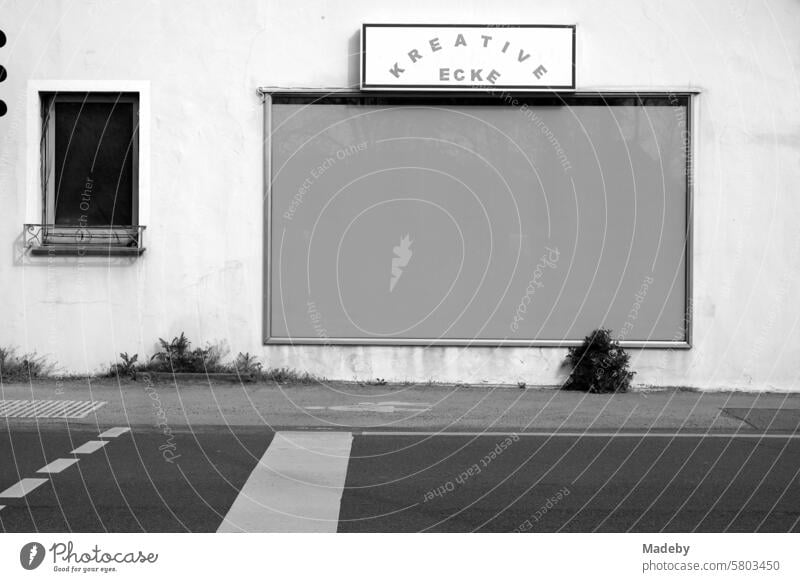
(93, 163)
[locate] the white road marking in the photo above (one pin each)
(2, 507)
(665, 435)
(377, 407)
(22, 488)
(9, 407)
(114, 432)
(83, 409)
(295, 487)
(48, 408)
(57, 466)
(89, 447)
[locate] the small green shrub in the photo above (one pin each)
(175, 356)
(14, 368)
(127, 367)
(599, 365)
(246, 364)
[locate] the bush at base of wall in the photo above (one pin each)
(599, 365)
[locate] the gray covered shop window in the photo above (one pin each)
(449, 221)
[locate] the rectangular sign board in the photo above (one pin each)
(468, 57)
(429, 219)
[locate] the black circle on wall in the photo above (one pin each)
(3, 108)
(3, 73)
(2, 38)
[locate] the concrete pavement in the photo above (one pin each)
(416, 407)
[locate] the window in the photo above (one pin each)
(89, 174)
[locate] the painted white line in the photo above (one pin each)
(295, 487)
(89, 447)
(48, 408)
(57, 466)
(114, 432)
(82, 410)
(663, 435)
(2, 507)
(389, 407)
(96, 405)
(22, 488)
(9, 407)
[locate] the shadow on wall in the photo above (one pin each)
(354, 61)
(22, 257)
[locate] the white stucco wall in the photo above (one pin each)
(202, 272)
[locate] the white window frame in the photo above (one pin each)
(34, 200)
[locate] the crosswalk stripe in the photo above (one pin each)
(69, 410)
(8, 411)
(96, 406)
(89, 447)
(74, 407)
(13, 405)
(114, 432)
(49, 408)
(295, 487)
(68, 407)
(22, 488)
(82, 408)
(57, 466)
(63, 411)
(25, 411)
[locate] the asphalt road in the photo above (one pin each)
(128, 485)
(410, 483)
(572, 484)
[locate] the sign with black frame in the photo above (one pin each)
(468, 57)
(477, 220)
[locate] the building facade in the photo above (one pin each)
(239, 129)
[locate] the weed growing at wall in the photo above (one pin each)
(178, 356)
(288, 376)
(247, 364)
(127, 367)
(14, 368)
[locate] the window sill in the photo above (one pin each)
(110, 241)
(86, 251)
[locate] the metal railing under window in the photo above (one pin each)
(44, 239)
